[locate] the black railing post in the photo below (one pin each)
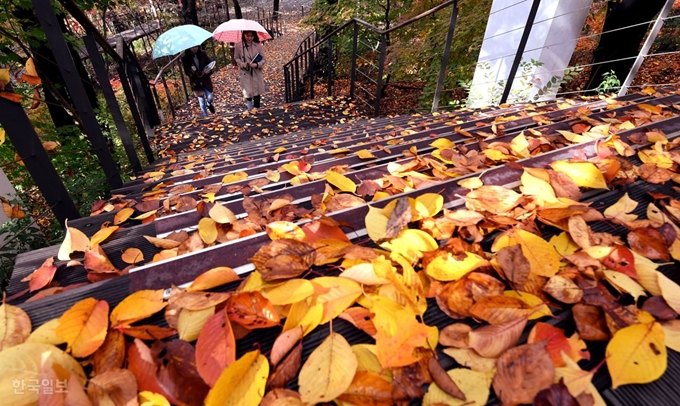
(154, 92)
(520, 50)
(286, 78)
(381, 69)
(167, 94)
(353, 74)
(297, 79)
(445, 57)
(329, 65)
(137, 100)
(111, 101)
(310, 70)
(29, 147)
(134, 110)
(57, 42)
(180, 68)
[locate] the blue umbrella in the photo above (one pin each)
(177, 39)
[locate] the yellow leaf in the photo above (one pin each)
(147, 398)
(533, 186)
(210, 198)
(23, 363)
(214, 277)
(619, 210)
(625, 283)
(411, 244)
(542, 257)
(671, 329)
(222, 215)
(647, 274)
(273, 176)
(234, 177)
(520, 145)
(637, 354)
(577, 380)
(365, 154)
(288, 292)
(280, 150)
(584, 174)
(207, 229)
(475, 385)
(538, 306)
(442, 143)
(341, 293)
(277, 204)
(573, 137)
(329, 370)
(84, 326)
(15, 326)
(379, 195)
(4, 77)
(2, 136)
(449, 268)
(563, 244)
(429, 204)
(132, 256)
(670, 291)
(123, 215)
(101, 235)
(650, 108)
(341, 182)
(364, 274)
(145, 215)
(74, 241)
(241, 383)
(45, 334)
(495, 155)
(467, 357)
(190, 322)
(471, 183)
(338, 151)
(305, 315)
(285, 229)
(655, 157)
(367, 360)
(376, 223)
(137, 306)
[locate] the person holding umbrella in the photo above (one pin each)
(249, 56)
(197, 66)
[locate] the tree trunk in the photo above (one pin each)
(237, 10)
(624, 43)
(226, 6)
(189, 12)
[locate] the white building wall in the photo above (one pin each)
(552, 41)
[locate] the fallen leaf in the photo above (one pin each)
(15, 326)
(74, 241)
(241, 383)
(522, 372)
(474, 384)
(117, 386)
(215, 348)
(637, 354)
(84, 326)
(329, 370)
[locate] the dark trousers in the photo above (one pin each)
(256, 101)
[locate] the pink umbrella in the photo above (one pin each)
(231, 30)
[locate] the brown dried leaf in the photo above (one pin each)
(514, 264)
(283, 259)
(522, 372)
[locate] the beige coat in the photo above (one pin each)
(251, 79)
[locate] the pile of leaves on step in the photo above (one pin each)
(419, 251)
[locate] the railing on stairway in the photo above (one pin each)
(369, 48)
(138, 95)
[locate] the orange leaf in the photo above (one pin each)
(97, 261)
(101, 235)
(148, 332)
(557, 342)
(132, 256)
(84, 326)
(284, 342)
(212, 278)
(111, 354)
(252, 310)
(42, 276)
(123, 215)
(137, 306)
(15, 97)
(215, 348)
